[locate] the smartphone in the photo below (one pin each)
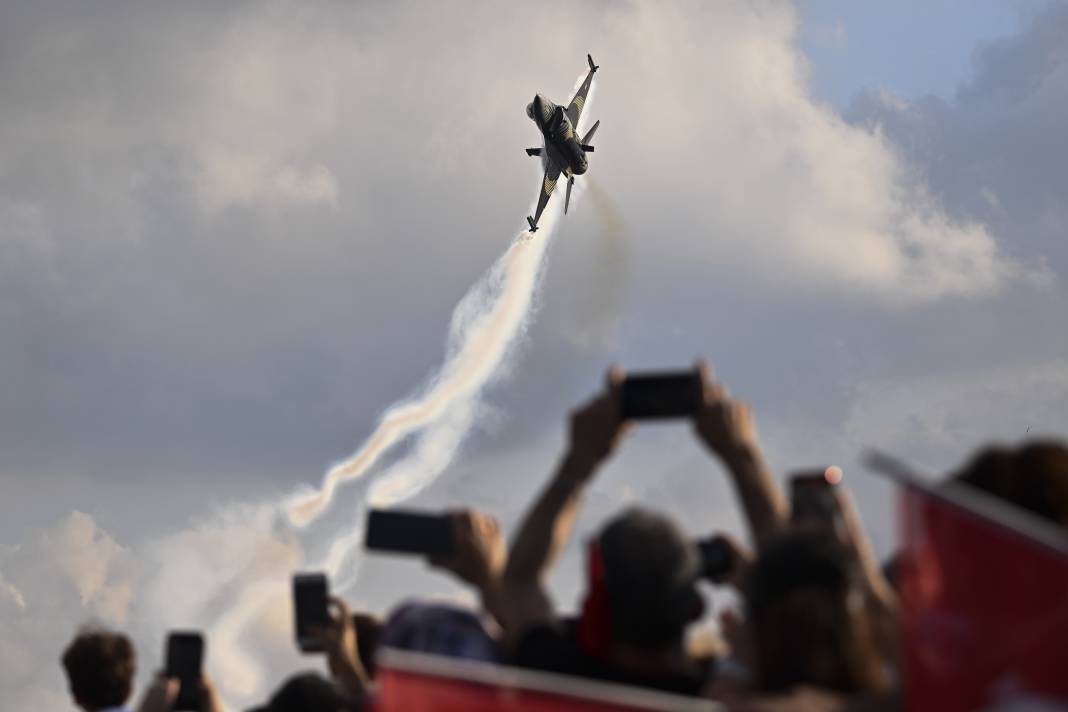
(184, 660)
(310, 595)
(716, 560)
(409, 532)
(660, 395)
(812, 499)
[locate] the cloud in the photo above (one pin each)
(992, 151)
(10, 594)
(941, 418)
(95, 564)
(70, 574)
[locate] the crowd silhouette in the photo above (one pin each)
(823, 624)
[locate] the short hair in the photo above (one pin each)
(307, 692)
(802, 598)
(1033, 476)
(651, 571)
(100, 666)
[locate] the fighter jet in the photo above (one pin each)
(561, 152)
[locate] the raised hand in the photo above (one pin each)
(480, 550)
(338, 641)
(597, 427)
(725, 425)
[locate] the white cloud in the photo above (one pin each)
(70, 574)
(230, 177)
(942, 417)
(98, 567)
(10, 594)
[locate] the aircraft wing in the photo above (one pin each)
(547, 186)
(574, 109)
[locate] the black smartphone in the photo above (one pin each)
(310, 595)
(716, 559)
(184, 660)
(409, 532)
(812, 498)
(670, 394)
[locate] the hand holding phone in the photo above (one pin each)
(409, 532)
(724, 561)
(184, 661)
(671, 394)
(310, 595)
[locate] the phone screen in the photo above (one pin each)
(813, 500)
(660, 395)
(185, 657)
(310, 594)
(715, 559)
(409, 532)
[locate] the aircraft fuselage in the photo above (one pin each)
(562, 146)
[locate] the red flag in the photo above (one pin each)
(415, 682)
(984, 602)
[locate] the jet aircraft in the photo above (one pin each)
(561, 151)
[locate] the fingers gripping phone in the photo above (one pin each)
(671, 394)
(310, 596)
(184, 661)
(409, 532)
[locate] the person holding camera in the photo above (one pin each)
(642, 572)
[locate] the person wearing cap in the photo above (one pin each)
(641, 592)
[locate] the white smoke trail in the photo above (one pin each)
(245, 612)
(485, 324)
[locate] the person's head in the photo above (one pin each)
(1034, 476)
(650, 580)
(306, 692)
(807, 616)
(439, 629)
(100, 667)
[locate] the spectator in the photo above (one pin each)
(162, 693)
(641, 592)
(1033, 476)
(308, 692)
(477, 559)
(805, 600)
(439, 629)
(100, 667)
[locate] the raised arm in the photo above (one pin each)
(596, 428)
(726, 427)
(479, 557)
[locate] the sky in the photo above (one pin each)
(231, 237)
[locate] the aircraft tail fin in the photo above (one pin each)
(593, 67)
(533, 227)
(567, 197)
(589, 137)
